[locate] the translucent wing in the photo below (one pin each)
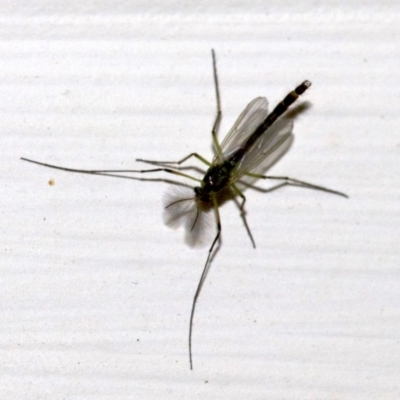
(266, 150)
(252, 116)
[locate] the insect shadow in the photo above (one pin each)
(257, 140)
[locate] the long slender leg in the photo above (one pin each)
(305, 184)
(218, 117)
(243, 214)
(296, 182)
(106, 171)
(214, 131)
(203, 278)
(240, 194)
(198, 156)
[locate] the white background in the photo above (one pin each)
(95, 291)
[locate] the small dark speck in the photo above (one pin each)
(51, 182)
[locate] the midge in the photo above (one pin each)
(255, 142)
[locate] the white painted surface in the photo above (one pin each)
(95, 291)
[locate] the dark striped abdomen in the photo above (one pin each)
(276, 113)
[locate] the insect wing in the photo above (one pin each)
(252, 116)
(275, 141)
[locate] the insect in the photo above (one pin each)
(255, 142)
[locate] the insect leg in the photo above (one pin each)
(240, 194)
(296, 182)
(109, 171)
(214, 131)
(169, 171)
(293, 181)
(242, 212)
(81, 171)
(218, 117)
(198, 156)
(203, 278)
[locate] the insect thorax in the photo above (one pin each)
(216, 178)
